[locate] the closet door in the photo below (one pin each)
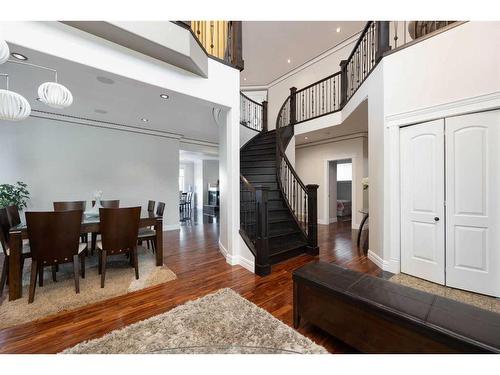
(473, 201)
(422, 200)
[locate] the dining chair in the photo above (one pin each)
(119, 228)
(4, 241)
(182, 200)
(149, 234)
(73, 205)
(189, 198)
(113, 203)
(151, 206)
(54, 239)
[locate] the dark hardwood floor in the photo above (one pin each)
(192, 253)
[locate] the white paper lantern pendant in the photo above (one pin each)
(4, 51)
(55, 95)
(13, 107)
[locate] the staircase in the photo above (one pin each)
(258, 167)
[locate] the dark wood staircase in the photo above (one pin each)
(258, 166)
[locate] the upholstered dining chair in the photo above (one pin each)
(4, 242)
(113, 203)
(151, 206)
(55, 239)
(149, 234)
(73, 205)
(119, 228)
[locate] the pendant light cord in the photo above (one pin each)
(6, 78)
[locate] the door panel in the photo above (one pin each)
(422, 200)
(473, 191)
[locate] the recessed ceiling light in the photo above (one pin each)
(101, 111)
(144, 119)
(306, 138)
(105, 80)
(338, 29)
(18, 56)
(289, 61)
(244, 79)
(38, 99)
(164, 96)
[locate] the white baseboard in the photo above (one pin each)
(386, 265)
(333, 220)
(376, 259)
(248, 264)
(171, 227)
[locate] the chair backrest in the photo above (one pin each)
(54, 236)
(151, 206)
(189, 196)
(119, 227)
(70, 206)
(160, 208)
(13, 214)
(4, 229)
(109, 203)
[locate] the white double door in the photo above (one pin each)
(450, 201)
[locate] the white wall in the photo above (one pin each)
(198, 183)
(256, 95)
(246, 134)
(188, 167)
(210, 176)
(311, 164)
(62, 161)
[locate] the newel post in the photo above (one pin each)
(262, 264)
(343, 83)
(264, 116)
(383, 44)
(293, 105)
(312, 219)
(237, 45)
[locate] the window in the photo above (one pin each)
(344, 172)
(181, 179)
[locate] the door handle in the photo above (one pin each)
(436, 219)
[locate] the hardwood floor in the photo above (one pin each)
(192, 253)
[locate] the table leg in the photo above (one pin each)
(15, 274)
(361, 228)
(159, 242)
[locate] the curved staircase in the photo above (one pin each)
(258, 167)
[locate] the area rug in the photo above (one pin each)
(222, 322)
(478, 300)
(58, 296)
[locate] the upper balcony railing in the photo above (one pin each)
(253, 115)
(221, 40)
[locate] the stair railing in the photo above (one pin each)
(253, 115)
(301, 199)
(254, 224)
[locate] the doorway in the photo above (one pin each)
(340, 190)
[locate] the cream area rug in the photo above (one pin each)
(222, 322)
(58, 296)
(478, 300)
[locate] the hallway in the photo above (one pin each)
(192, 253)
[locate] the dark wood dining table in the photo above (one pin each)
(89, 225)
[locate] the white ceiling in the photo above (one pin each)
(357, 122)
(267, 45)
(126, 101)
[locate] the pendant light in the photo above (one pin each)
(55, 95)
(4, 51)
(13, 107)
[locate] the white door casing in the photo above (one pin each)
(473, 202)
(422, 200)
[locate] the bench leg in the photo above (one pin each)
(296, 316)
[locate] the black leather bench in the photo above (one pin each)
(377, 316)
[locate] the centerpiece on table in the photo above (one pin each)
(94, 211)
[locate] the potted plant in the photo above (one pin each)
(17, 194)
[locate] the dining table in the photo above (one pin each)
(19, 233)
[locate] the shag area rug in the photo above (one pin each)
(222, 322)
(58, 296)
(478, 300)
